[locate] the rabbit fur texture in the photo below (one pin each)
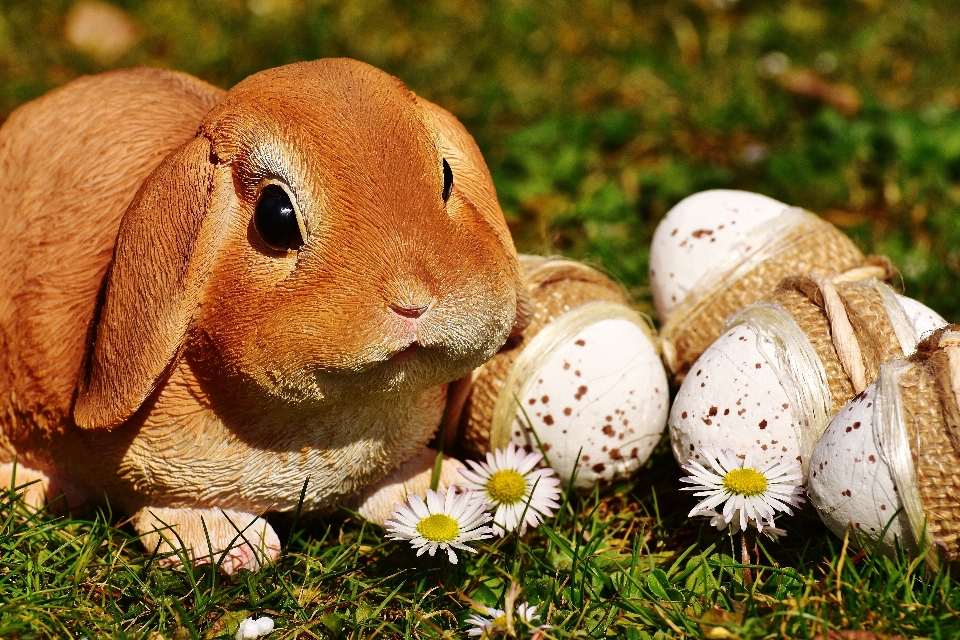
(210, 298)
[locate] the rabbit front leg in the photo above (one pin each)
(33, 484)
(232, 539)
(377, 501)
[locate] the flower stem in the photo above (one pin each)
(748, 542)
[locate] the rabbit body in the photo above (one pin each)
(157, 350)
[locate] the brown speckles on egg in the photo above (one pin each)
(846, 492)
(615, 454)
(684, 415)
(567, 411)
(608, 430)
(856, 425)
(581, 342)
(532, 401)
(585, 458)
(545, 399)
(757, 365)
(707, 421)
(763, 424)
(726, 412)
(548, 419)
(712, 412)
(599, 467)
(581, 391)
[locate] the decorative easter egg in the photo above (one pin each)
(717, 252)
(585, 383)
(849, 481)
(783, 368)
(697, 235)
(887, 465)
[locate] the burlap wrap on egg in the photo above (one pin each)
(931, 420)
(872, 334)
(556, 286)
(830, 334)
(789, 245)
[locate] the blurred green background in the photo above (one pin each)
(597, 116)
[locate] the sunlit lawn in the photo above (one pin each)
(595, 117)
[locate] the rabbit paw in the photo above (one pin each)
(237, 540)
(376, 503)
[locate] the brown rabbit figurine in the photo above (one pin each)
(212, 297)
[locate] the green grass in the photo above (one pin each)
(595, 117)
(619, 565)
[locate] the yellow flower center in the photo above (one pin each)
(506, 486)
(500, 621)
(438, 528)
(745, 482)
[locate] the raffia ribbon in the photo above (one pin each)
(853, 321)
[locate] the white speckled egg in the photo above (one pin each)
(761, 383)
(849, 482)
(895, 448)
(732, 399)
(697, 234)
(601, 393)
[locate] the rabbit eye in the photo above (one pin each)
(447, 180)
(276, 219)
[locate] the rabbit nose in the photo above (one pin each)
(409, 311)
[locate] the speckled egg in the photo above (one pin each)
(585, 377)
(891, 457)
(733, 399)
(699, 233)
(762, 384)
(602, 394)
(849, 482)
(717, 252)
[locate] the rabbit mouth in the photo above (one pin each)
(406, 353)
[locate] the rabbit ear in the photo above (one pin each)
(472, 179)
(153, 288)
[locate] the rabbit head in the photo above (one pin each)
(326, 234)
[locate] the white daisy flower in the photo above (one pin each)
(717, 520)
(440, 522)
(521, 494)
(496, 623)
(750, 494)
